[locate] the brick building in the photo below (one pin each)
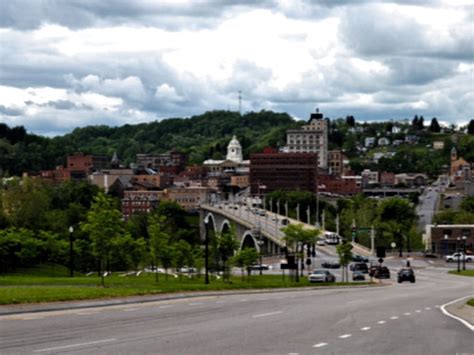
(57, 176)
(81, 165)
(139, 201)
(283, 171)
(446, 239)
(172, 162)
(338, 185)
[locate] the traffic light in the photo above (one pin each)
(354, 233)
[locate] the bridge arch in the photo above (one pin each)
(212, 226)
(225, 226)
(249, 241)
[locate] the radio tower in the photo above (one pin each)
(240, 102)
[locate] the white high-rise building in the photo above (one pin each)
(311, 138)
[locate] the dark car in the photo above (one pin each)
(330, 264)
(358, 276)
(362, 267)
(359, 258)
(406, 275)
(382, 273)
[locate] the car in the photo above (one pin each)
(358, 276)
(406, 275)
(285, 221)
(259, 267)
(321, 276)
(320, 242)
(362, 267)
(460, 256)
(327, 264)
(382, 272)
(360, 258)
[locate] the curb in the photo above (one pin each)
(462, 320)
(86, 304)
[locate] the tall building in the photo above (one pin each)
(272, 170)
(311, 138)
(234, 161)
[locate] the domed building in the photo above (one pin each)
(233, 162)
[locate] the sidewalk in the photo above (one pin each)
(462, 310)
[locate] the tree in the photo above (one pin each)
(415, 122)
(183, 255)
(158, 238)
(296, 236)
(245, 259)
(103, 224)
(344, 251)
(350, 121)
(470, 127)
(434, 126)
(227, 244)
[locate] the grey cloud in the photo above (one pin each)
(9, 111)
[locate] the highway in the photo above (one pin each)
(427, 207)
(392, 319)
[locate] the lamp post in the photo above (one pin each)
(459, 254)
(464, 252)
(260, 245)
(206, 251)
(71, 252)
(446, 244)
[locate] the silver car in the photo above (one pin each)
(321, 276)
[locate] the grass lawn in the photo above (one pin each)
(471, 302)
(463, 272)
(32, 286)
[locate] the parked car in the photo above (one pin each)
(358, 276)
(362, 267)
(382, 273)
(360, 258)
(320, 242)
(461, 256)
(259, 267)
(330, 264)
(406, 275)
(321, 276)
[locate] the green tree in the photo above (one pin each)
(244, 259)
(158, 238)
(344, 251)
(183, 255)
(103, 224)
(470, 127)
(227, 245)
(434, 126)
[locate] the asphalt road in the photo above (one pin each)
(427, 206)
(396, 319)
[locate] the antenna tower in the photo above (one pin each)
(240, 102)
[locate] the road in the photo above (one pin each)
(427, 206)
(395, 319)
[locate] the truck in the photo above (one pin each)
(454, 257)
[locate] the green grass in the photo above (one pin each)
(471, 302)
(463, 272)
(30, 288)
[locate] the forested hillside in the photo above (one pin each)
(202, 137)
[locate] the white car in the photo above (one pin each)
(320, 242)
(460, 256)
(321, 276)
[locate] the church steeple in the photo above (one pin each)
(454, 154)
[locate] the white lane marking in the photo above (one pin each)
(319, 345)
(130, 309)
(243, 300)
(344, 336)
(418, 311)
(266, 314)
(365, 328)
(427, 308)
(443, 309)
(381, 322)
(75, 345)
(293, 353)
(32, 318)
(437, 306)
(407, 313)
(394, 317)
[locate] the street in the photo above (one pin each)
(392, 319)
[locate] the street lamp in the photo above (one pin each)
(459, 254)
(446, 244)
(206, 250)
(464, 252)
(260, 245)
(71, 252)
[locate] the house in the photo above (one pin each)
(383, 141)
(369, 142)
(438, 145)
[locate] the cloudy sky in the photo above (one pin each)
(70, 63)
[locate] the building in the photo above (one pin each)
(387, 179)
(438, 145)
(81, 165)
(369, 142)
(139, 201)
(311, 138)
(460, 169)
(234, 160)
(172, 162)
(190, 198)
(337, 162)
(107, 177)
(448, 238)
(369, 177)
(339, 185)
(383, 141)
(56, 176)
(272, 170)
(411, 179)
(240, 181)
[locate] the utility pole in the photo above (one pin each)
(372, 239)
(240, 102)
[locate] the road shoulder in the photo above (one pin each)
(459, 310)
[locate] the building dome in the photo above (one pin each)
(234, 150)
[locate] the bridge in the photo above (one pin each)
(255, 227)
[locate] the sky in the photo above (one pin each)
(73, 63)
